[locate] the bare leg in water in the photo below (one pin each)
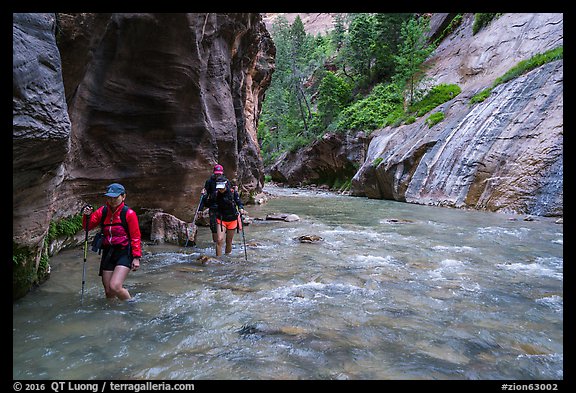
(113, 282)
(229, 238)
(219, 239)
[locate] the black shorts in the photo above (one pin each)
(114, 256)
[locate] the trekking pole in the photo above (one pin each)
(243, 238)
(241, 223)
(193, 222)
(85, 254)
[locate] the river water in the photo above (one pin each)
(392, 291)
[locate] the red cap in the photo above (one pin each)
(218, 169)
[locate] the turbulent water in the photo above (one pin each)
(392, 291)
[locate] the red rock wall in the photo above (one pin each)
(163, 97)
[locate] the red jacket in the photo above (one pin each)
(115, 234)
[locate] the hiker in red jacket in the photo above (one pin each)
(121, 245)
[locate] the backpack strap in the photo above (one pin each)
(104, 214)
(210, 187)
(122, 218)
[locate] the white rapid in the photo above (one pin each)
(393, 291)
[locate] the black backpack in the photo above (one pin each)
(211, 191)
(227, 205)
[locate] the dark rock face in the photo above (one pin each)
(151, 101)
(41, 126)
(335, 157)
(40, 141)
(163, 98)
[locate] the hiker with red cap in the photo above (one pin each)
(224, 206)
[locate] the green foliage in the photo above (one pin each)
(20, 254)
(528, 65)
(43, 267)
(377, 161)
(436, 96)
(373, 111)
(410, 120)
(358, 77)
(342, 184)
(386, 29)
(65, 227)
(412, 53)
(295, 142)
(482, 20)
(298, 40)
(304, 101)
(481, 96)
(338, 34)
(361, 43)
(340, 180)
(434, 118)
(520, 69)
(365, 50)
(286, 116)
(383, 107)
(24, 258)
(452, 26)
(334, 94)
(23, 270)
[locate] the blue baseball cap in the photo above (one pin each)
(114, 190)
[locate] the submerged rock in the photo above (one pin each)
(283, 217)
(258, 329)
(309, 239)
(204, 259)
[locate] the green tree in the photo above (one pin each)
(361, 43)
(387, 36)
(412, 53)
(316, 87)
(276, 122)
(287, 111)
(334, 94)
(339, 32)
(297, 62)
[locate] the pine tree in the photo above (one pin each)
(412, 52)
